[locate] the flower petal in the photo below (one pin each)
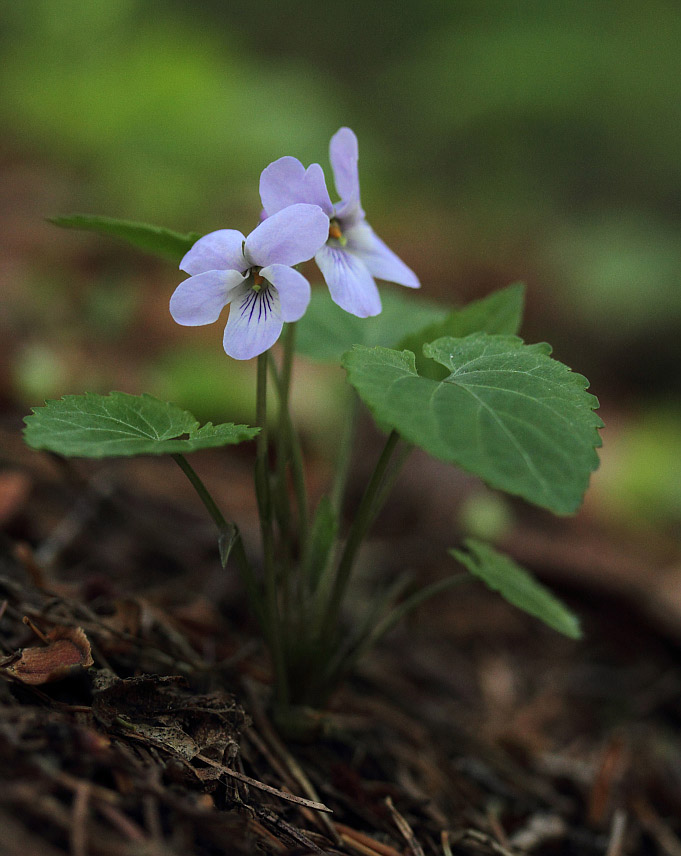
(293, 288)
(379, 259)
(351, 285)
(343, 154)
(254, 323)
(221, 250)
(201, 298)
(288, 237)
(286, 182)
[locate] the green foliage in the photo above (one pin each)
(517, 586)
(507, 413)
(118, 424)
(499, 312)
(326, 331)
(156, 240)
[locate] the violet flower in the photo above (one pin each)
(353, 254)
(254, 274)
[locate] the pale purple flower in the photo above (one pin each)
(255, 275)
(353, 254)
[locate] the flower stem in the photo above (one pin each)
(360, 525)
(264, 497)
(291, 444)
(344, 453)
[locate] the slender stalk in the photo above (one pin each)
(238, 550)
(290, 439)
(202, 490)
(345, 453)
(264, 497)
(390, 479)
(401, 610)
(360, 525)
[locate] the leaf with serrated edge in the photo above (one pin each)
(326, 331)
(119, 424)
(156, 240)
(517, 586)
(507, 412)
(498, 312)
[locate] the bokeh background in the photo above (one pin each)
(499, 141)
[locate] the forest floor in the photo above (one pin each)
(133, 705)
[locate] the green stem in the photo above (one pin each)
(264, 497)
(290, 440)
(360, 525)
(345, 453)
(385, 625)
(389, 481)
(202, 491)
(238, 550)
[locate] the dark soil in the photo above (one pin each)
(471, 730)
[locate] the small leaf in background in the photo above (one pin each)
(517, 586)
(156, 240)
(326, 331)
(67, 649)
(508, 413)
(499, 312)
(118, 424)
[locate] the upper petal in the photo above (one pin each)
(351, 285)
(288, 237)
(221, 250)
(293, 289)
(201, 298)
(379, 259)
(343, 154)
(286, 182)
(254, 323)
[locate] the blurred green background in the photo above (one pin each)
(498, 141)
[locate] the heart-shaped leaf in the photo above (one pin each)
(156, 240)
(517, 586)
(118, 424)
(507, 412)
(498, 312)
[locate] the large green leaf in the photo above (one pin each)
(517, 586)
(118, 424)
(498, 312)
(156, 240)
(507, 412)
(326, 331)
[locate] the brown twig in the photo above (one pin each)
(81, 799)
(406, 830)
(317, 806)
(363, 843)
(617, 831)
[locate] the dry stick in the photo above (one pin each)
(444, 841)
(406, 830)
(294, 768)
(482, 838)
(79, 812)
(656, 827)
(617, 831)
(317, 806)
(363, 842)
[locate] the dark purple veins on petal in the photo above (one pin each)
(262, 299)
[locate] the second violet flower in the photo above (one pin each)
(253, 274)
(353, 254)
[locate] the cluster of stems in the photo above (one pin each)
(297, 593)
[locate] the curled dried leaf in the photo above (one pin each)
(67, 649)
